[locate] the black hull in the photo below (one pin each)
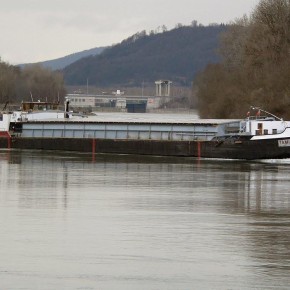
(230, 149)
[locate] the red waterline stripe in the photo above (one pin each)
(8, 136)
(94, 146)
(198, 149)
(93, 149)
(9, 141)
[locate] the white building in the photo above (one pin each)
(79, 100)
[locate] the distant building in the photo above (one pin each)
(79, 100)
(120, 101)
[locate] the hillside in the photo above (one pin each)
(177, 55)
(62, 62)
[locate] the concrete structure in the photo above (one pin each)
(163, 88)
(80, 100)
(119, 100)
(112, 101)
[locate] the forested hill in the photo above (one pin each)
(176, 55)
(62, 62)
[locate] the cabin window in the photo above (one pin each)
(274, 131)
(1, 117)
(265, 132)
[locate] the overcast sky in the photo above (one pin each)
(38, 30)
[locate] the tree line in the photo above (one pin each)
(31, 82)
(255, 66)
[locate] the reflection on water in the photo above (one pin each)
(68, 221)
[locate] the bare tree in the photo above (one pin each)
(194, 23)
(17, 85)
(8, 76)
(232, 48)
(43, 84)
(255, 68)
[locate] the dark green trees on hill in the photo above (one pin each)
(256, 66)
(176, 55)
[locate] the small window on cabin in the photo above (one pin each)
(260, 126)
(1, 117)
(274, 131)
(83, 100)
(265, 132)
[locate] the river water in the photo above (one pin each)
(73, 221)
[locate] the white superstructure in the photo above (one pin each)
(4, 122)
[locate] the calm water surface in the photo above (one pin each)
(68, 221)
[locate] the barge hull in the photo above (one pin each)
(246, 149)
(141, 147)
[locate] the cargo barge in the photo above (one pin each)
(255, 137)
